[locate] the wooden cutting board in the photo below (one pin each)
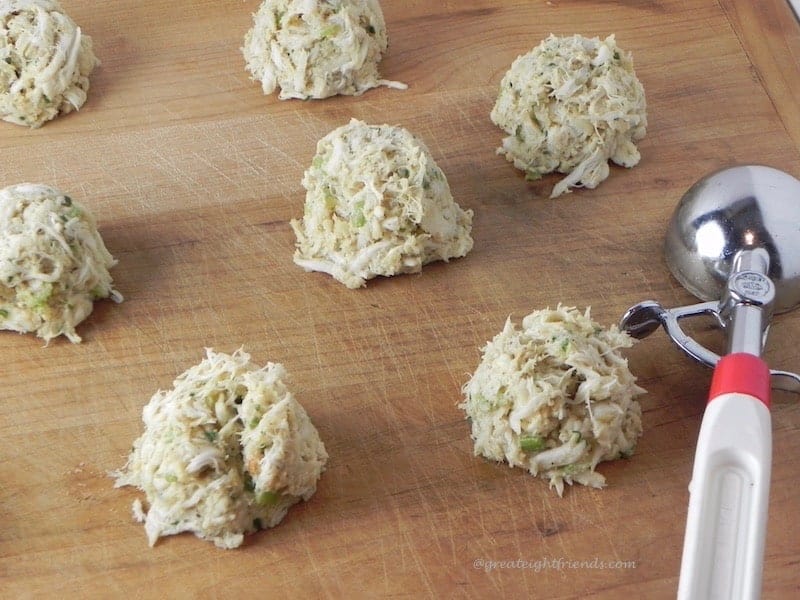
(193, 175)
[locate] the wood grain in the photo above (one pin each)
(193, 175)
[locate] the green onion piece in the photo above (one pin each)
(330, 31)
(268, 498)
(357, 218)
(531, 443)
(574, 469)
(330, 201)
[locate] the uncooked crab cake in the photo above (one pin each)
(568, 106)
(225, 452)
(377, 204)
(45, 62)
(555, 397)
(317, 48)
(53, 262)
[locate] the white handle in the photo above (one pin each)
(723, 548)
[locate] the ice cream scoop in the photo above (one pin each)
(734, 242)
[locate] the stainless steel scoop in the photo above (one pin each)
(733, 241)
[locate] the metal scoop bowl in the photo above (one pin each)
(734, 242)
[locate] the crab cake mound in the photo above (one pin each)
(227, 451)
(570, 105)
(317, 48)
(555, 397)
(53, 263)
(45, 62)
(377, 204)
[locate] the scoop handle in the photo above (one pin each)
(723, 548)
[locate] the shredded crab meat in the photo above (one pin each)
(225, 452)
(317, 48)
(210, 458)
(569, 106)
(377, 205)
(53, 262)
(45, 62)
(555, 397)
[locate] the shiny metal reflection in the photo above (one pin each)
(743, 207)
